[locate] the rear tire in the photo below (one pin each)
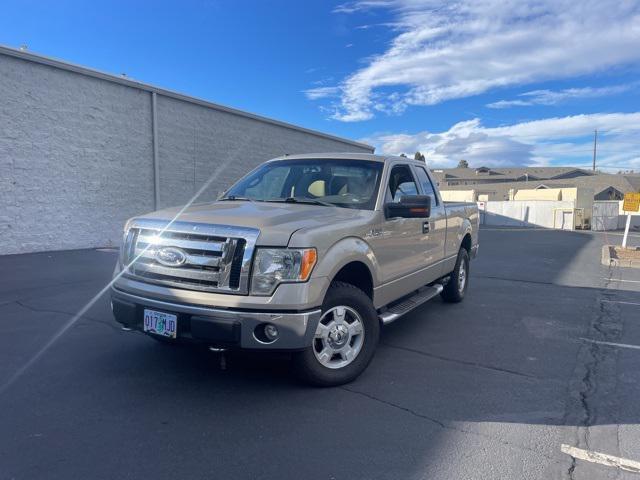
(456, 288)
(345, 339)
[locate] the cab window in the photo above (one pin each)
(427, 186)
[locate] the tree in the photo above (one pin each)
(419, 156)
(403, 155)
(463, 164)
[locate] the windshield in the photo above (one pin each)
(341, 183)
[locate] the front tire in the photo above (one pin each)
(345, 339)
(456, 288)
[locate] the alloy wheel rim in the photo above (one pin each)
(339, 337)
(462, 277)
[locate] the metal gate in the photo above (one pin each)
(605, 215)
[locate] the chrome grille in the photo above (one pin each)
(212, 258)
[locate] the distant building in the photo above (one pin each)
(499, 183)
(482, 175)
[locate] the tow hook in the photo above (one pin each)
(223, 358)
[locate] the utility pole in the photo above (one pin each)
(595, 147)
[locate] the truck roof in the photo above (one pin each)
(342, 155)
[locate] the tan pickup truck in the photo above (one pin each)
(307, 253)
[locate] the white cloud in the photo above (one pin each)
(321, 92)
(352, 7)
(551, 97)
(448, 50)
(561, 140)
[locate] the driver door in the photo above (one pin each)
(400, 248)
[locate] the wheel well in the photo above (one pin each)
(466, 243)
(358, 275)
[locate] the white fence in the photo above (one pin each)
(605, 215)
(533, 213)
(608, 215)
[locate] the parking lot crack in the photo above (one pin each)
(61, 312)
(572, 468)
(595, 373)
(520, 280)
(394, 405)
(445, 426)
(463, 362)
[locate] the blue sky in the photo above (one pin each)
(496, 82)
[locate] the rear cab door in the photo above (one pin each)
(436, 225)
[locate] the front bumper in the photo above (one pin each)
(221, 326)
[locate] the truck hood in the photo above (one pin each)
(276, 221)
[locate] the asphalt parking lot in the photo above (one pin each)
(490, 388)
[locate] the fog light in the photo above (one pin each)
(271, 332)
(266, 333)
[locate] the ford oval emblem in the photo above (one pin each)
(171, 256)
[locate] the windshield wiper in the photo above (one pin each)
(310, 201)
(233, 198)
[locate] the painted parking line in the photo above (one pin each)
(611, 344)
(601, 458)
(621, 280)
(621, 302)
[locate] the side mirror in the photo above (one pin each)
(413, 206)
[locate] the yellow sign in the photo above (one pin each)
(631, 202)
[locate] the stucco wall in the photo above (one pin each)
(76, 154)
(540, 194)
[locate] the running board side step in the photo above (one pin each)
(405, 306)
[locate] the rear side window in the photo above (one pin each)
(427, 186)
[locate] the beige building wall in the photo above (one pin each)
(539, 194)
(458, 195)
(569, 194)
(584, 200)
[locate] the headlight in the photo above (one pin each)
(273, 266)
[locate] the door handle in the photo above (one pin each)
(425, 227)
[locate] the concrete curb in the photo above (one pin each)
(609, 258)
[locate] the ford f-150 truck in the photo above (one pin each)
(307, 253)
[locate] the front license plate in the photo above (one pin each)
(160, 323)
